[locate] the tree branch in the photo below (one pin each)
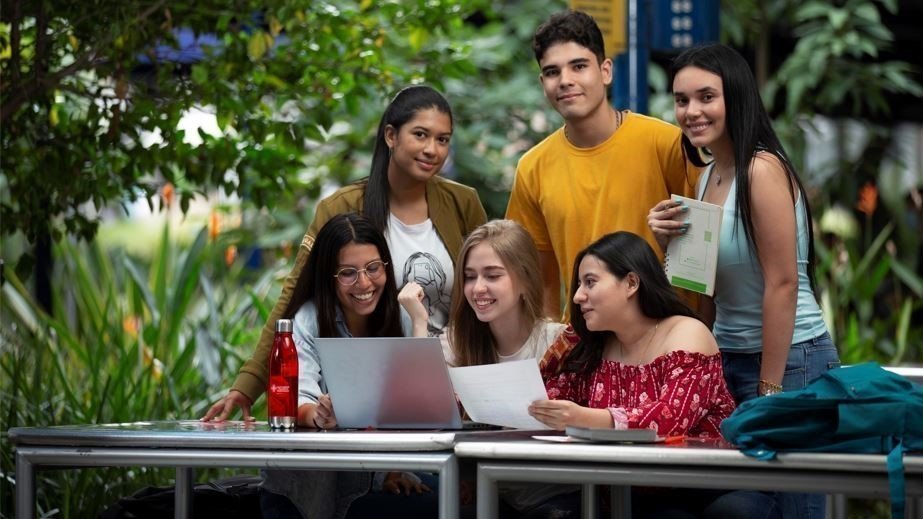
(41, 43)
(15, 38)
(41, 81)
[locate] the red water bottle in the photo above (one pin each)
(283, 378)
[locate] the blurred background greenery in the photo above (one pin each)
(151, 198)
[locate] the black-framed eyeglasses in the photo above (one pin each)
(349, 276)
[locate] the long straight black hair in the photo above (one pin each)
(621, 252)
(402, 108)
(749, 128)
(317, 282)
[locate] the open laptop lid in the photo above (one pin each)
(388, 383)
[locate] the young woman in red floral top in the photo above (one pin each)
(644, 360)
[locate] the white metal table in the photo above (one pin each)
(187, 445)
(692, 464)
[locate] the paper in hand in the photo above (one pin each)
(500, 394)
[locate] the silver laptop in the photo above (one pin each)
(388, 383)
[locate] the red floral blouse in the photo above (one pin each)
(678, 393)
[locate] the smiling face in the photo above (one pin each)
(601, 297)
(489, 288)
(359, 300)
(574, 81)
(419, 147)
(698, 97)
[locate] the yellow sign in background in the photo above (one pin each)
(610, 16)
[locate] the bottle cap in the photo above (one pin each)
(284, 325)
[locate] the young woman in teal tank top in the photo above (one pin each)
(766, 319)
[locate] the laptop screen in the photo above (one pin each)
(388, 383)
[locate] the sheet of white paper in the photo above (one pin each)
(500, 394)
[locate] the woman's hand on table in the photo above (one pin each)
(224, 408)
(324, 417)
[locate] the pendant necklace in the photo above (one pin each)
(718, 175)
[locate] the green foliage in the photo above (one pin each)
(840, 45)
(869, 297)
(126, 341)
(500, 110)
(79, 111)
(743, 21)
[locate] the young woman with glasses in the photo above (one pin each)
(345, 290)
(417, 210)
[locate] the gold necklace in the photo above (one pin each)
(643, 350)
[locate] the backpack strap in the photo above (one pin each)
(896, 478)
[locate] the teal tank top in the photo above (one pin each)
(739, 284)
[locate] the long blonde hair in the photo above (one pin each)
(471, 340)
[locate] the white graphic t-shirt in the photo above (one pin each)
(418, 255)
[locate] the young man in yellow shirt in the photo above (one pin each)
(602, 170)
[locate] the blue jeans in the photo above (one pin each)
(371, 505)
(806, 361)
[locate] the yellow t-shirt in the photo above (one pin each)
(567, 197)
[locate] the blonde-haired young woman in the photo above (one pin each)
(496, 316)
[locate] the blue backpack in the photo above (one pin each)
(861, 408)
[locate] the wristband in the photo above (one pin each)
(766, 388)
